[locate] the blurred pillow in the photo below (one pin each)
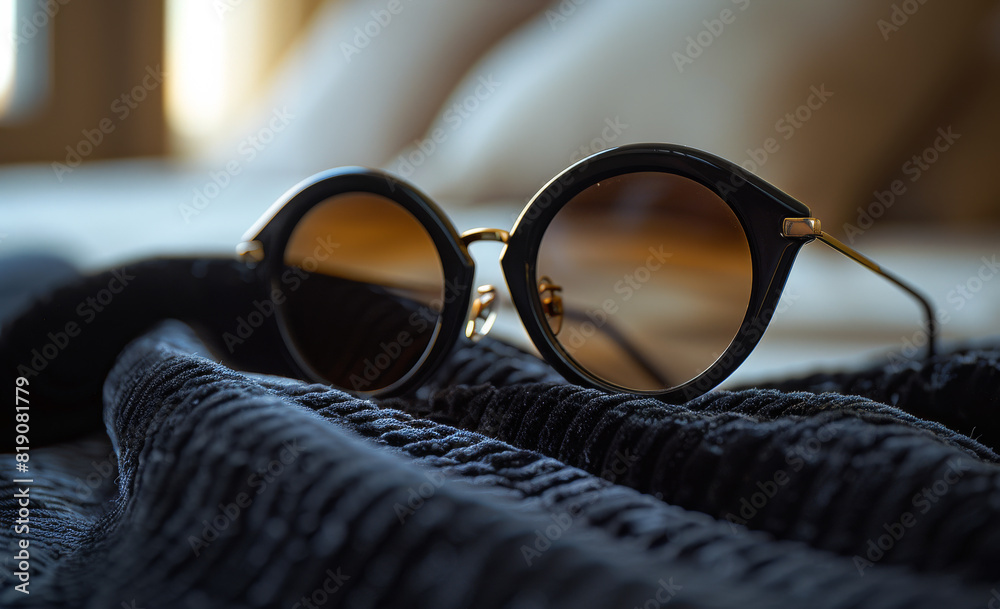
(829, 101)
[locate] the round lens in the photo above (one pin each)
(364, 290)
(645, 279)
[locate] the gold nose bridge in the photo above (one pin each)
(484, 234)
(482, 315)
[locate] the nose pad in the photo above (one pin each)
(552, 304)
(482, 315)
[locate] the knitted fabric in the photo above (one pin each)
(498, 485)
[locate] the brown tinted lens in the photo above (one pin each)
(364, 287)
(653, 272)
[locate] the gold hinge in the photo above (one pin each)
(484, 234)
(801, 227)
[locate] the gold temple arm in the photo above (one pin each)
(555, 310)
(811, 228)
(628, 347)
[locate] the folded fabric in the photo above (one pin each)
(497, 487)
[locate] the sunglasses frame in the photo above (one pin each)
(775, 225)
(272, 232)
(760, 208)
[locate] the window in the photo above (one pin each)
(8, 17)
(219, 56)
(24, 41)
(64, 64)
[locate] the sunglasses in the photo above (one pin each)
(652, 269)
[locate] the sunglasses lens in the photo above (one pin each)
(645, 279)
(364, 288)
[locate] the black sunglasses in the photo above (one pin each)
(651, 268)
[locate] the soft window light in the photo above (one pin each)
(196, 99)
(8, 17)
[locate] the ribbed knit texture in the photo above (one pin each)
(498, 486)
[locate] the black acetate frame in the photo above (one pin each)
(272, 232)
(776, 227)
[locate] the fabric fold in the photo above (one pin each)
(227, 489)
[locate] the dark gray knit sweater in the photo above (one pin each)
(500, 486)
